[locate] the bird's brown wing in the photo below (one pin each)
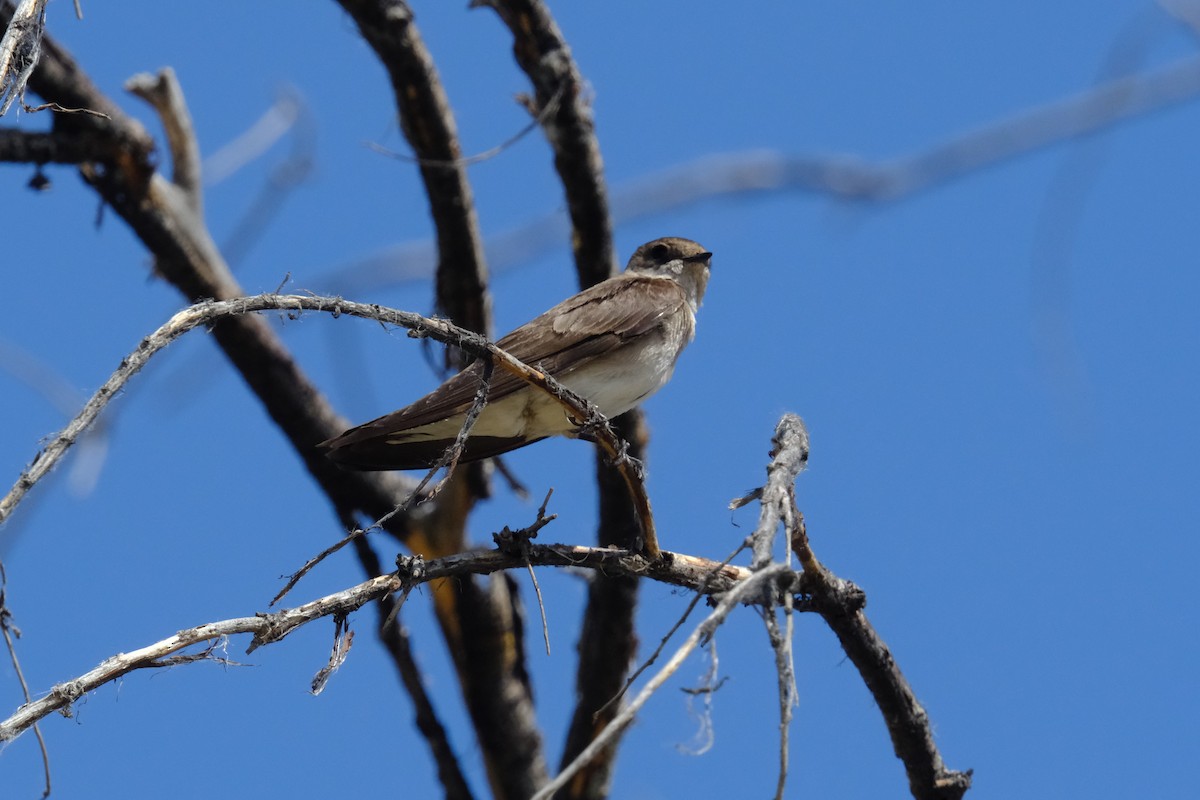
(590, 324)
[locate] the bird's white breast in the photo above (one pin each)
(617, 384)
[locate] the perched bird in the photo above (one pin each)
(614, 344)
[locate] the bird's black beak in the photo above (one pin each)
(699, 258)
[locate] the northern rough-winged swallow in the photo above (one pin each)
(614, 344)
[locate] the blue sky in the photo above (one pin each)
(1017, 499)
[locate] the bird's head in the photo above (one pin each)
(682, 260)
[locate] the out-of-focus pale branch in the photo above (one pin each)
(843, 177)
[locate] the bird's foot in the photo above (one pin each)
(622, 458)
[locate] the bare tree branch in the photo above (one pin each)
(56, 147)
(789, 456)
(164, 94)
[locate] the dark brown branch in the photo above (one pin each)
(477, 622)
(543, 54)
(31, 147)
(840, 603)
(608, 639)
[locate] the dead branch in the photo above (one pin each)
(55, 147)
(789, 456)
(165, 95)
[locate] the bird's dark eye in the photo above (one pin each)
(660, 252)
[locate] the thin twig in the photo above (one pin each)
(747, 588)
(517, 542)
(449, 458)
(781, 646)
(788, 458)
(541, 605)
(308, 566)
(10, 632)
(61, 109)
(477, 158)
